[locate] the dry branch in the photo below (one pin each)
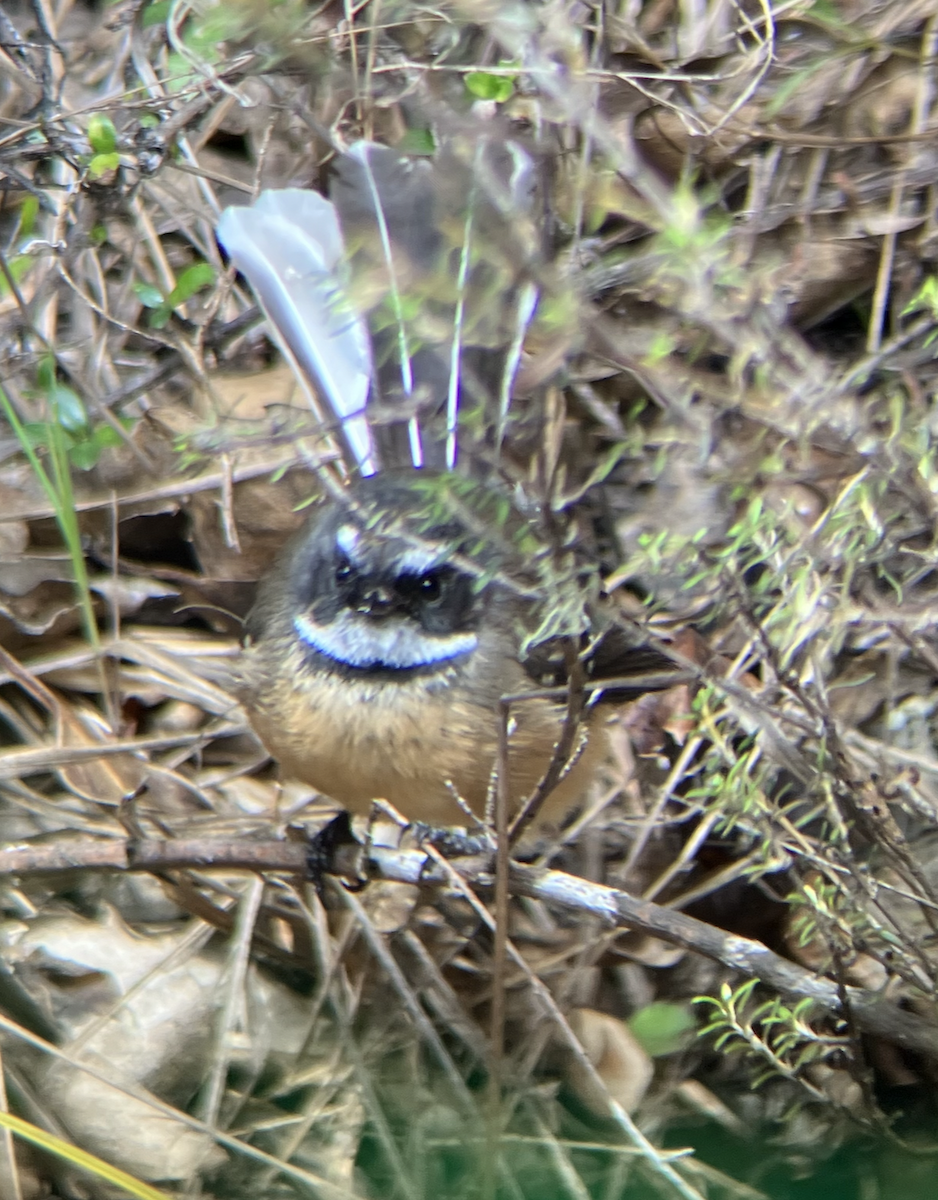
(871, 1013)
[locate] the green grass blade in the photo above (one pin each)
(79, 1158)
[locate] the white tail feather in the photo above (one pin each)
(288, 246)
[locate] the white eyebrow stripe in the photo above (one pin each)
(412, 560)
(415, 560)
(357, 641)
(346, 539)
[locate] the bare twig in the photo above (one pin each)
(750, 958)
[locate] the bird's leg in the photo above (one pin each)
(321, 851)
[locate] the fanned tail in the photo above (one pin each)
(405, 300)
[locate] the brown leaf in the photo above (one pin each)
(625, 1068)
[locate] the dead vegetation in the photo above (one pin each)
(742, 201)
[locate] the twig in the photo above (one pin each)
(617, 908)
(564, 750)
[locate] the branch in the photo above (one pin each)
(871, 1013)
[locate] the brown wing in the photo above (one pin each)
(632, 667)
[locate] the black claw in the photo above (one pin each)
(323, 845)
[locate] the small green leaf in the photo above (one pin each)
(193, 279)
(36, 433)
(662, 346)
(486, 86)
(98, 234)
(662, 1028)
(155, 14)
(67, 409)
(148, 295)
(101, 164)
(178, 72)
(84, 455)
(28, 214)
(18, 265)
(417, 141)
(45, 373)
(104, 436)
(160, 316)
(926, 297)
(101, 134)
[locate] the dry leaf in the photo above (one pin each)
(624, 1067)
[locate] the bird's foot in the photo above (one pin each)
(322, 849)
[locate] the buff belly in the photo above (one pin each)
(408, 743)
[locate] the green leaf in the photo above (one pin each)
(18, 265)
(662, 346)
(84, 455)
(36, 433)
(926, 297)
(68, 409)
(28, 214)
(179, 73)
(104, 436)
(101, 164)
(148, 295)
(417, 141)
(662, 1028)
(486, 86)
(45, 373)
(101, 134)
(160, 316)
(156, 14)
(193, 279)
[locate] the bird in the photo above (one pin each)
(421, 592)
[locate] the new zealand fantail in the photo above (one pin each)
(389, 629)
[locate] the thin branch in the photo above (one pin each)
(617, 908)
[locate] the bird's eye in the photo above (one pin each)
(431, 587)
(343, 571)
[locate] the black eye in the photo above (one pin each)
(431, 586)
(343, 571)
